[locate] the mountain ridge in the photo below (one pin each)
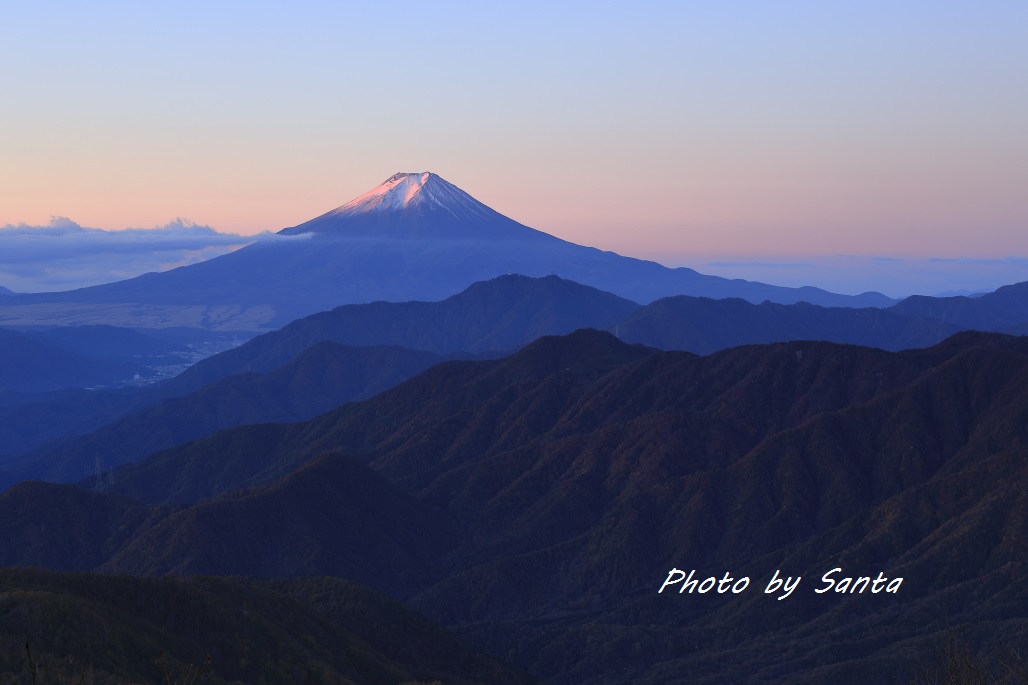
(581, 469)
(488, 317)
(400, 251)
(1005, 307)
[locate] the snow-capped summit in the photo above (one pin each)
(416, 205)
(414, 237)
(406, 190)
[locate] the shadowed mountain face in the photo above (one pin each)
(414, 237)
(220, 631)
(1003, 309)
(702, 325)
(317, 380)
(540, 501)
(502, 314)
(498, 315)
(298, 372)
(311, 374)
(509, 311)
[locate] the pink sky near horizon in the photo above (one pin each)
(674, 131)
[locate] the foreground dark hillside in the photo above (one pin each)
(463, 411)
(88, 628)
(538, 502)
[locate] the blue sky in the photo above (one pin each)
(690, 133)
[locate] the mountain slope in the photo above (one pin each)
(249, 456)
(29, 420)
(64, 528)
(334, 516)
(497, 315)
(418, 206)
(439, 404)
(539, 501)
(585, 475)
(1005, 308)
(320, 378)
(703, 325)
(416, 236)
(121, 630)
(502, 314)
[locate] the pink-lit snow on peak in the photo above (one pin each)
(416, 206)
(413, 190)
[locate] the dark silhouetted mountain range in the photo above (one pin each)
(996, 311)
(537, 502)
(502, 314)
(220, 631)
(703, 326)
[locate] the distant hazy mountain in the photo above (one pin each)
(1020, 329)
(1002, 309)
(536, 503)
(702, 325)
(301, 370)
(502, 314)
(510, 311)
(414, 237)
(497, 315)
(4, 292)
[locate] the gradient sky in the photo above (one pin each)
(709, 134)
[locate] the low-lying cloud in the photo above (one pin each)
(63, 255)
(894, 276)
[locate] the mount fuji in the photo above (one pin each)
(417, 207)
(414, 237)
